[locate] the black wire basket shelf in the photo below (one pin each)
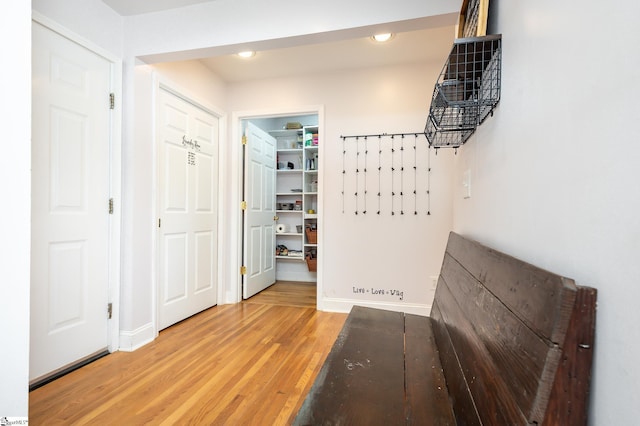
(467, 91)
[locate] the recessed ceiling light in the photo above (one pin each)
(247, 54)
(381, 38)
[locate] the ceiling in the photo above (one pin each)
(136, 7)
(404, 48)
(321, 56)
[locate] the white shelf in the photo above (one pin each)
(290, 257)
(289, 170)
(284, 132)
(288, 211)
(310, 216)
(289, 234)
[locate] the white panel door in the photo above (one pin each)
(70, 193)
(188, 205)
(259, 222)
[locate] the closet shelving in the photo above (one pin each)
(296, 189)
(310, 182)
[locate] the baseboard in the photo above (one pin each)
(132, 340)
(345, 305)
(296, 276)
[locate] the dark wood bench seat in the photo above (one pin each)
(507, 343)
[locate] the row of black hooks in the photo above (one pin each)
(393, 169)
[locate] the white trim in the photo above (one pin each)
(322, 142)
(234, 231)
(132, 340)
(162, 83)
(235, 187)
(296, 276)
(115, 178)
(154, 201)
(345, 305)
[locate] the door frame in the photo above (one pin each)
(163, 83)
(236, 189)
(115, 171)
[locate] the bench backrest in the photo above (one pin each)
(515, 341)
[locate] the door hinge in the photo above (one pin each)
(112, 101)
(159, 222)
(243, 205)
(110, 205)
(243, 270)
(109, 310)
(244, 140)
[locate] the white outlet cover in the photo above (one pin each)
(434, 281)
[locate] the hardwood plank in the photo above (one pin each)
(569, 400)
(287, 293)
(232, 364)
(427, 397)
(510, 279)
(367, 356)
(494, 402)
(527, 362)
(459, 393)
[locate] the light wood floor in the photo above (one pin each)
(287, 293)
(246, 364)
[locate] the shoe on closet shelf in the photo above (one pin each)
(282, 250)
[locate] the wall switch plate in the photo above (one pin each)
(466, 184)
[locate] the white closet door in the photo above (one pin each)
(70, 193)
(259, 223)
(188, 205)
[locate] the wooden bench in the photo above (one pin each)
(507, 343)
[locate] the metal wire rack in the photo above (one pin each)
(467, 91)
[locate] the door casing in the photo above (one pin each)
(235, 228)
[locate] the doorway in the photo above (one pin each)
(295, 195)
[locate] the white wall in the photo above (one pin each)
(369, 251)
(91, 19)
(555, 171)
(15, 227)
(195, 79)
